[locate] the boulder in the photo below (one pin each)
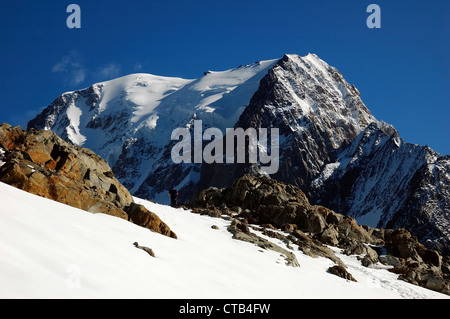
(330, 236)
(341, 272)
(392, 261)
(141, 216)
(402, 243)
(434, 282)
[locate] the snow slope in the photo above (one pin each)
(50, 250)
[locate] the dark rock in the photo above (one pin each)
(341, 272)
(392, 261)
(144, 248)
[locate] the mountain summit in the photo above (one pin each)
(330, 145)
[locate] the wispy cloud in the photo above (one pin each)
(71, 68)
(138, 66)
(109, 71)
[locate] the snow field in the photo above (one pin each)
(51, 250)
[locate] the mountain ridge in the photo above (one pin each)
(325, 129)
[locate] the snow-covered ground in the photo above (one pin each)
(50, 250)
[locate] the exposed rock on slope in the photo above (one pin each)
(271, 204)
(41, 163)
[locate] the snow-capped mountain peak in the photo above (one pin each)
(128, 121)
(330, 144)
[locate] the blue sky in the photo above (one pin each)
(402, 69)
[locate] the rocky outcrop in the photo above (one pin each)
(266, 201)
(341, 272)
(415, 263)
(269, 204)
(41, 163)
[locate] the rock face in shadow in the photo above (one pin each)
(41, 163)
(274, 206)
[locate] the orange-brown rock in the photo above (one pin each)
(42, 163)
(141, 216)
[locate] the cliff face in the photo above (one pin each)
(41, 163)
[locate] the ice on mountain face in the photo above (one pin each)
(218, 98)
(73, 130)
(328, 171)
(137, 95)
